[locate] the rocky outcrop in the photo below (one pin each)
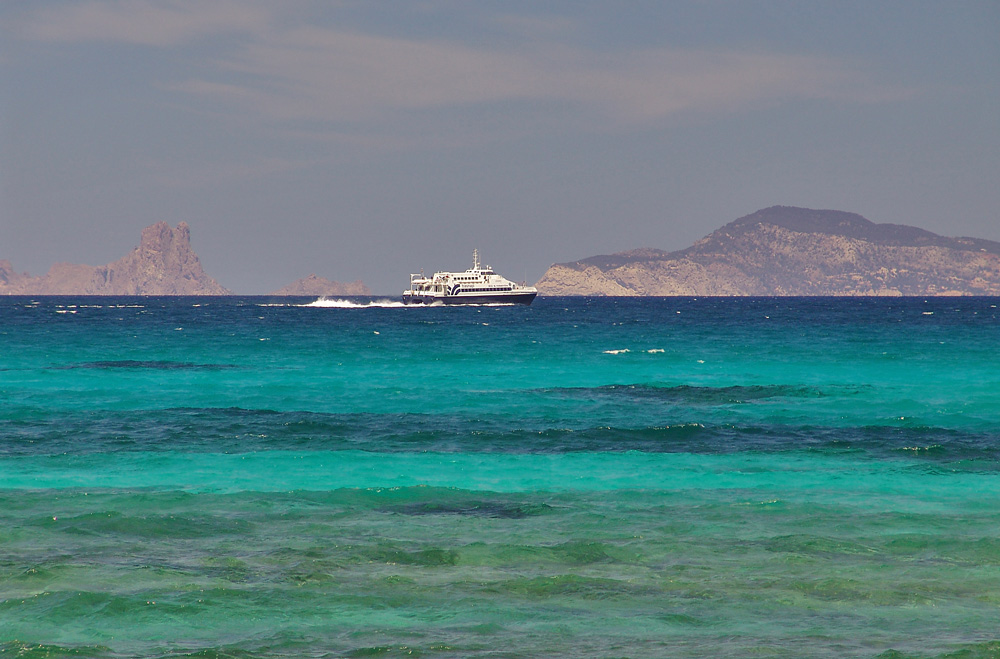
(162, 264)
(320, 286)
(8, 276)
(793, 251)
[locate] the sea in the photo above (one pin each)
(255, 477)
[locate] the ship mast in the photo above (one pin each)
(475, 259)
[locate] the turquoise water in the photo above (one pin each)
(259, 477)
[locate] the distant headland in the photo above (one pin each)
(321, 286)
(163, 264)
(780, 250)
(785, 250)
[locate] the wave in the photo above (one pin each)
(622, 351)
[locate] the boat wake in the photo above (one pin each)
(340, 303)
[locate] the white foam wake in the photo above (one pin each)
(385, 303)
(339, 303)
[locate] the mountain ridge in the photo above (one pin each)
(787, 250)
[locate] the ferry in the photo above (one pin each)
(477, 285)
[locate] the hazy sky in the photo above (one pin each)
(369, 140)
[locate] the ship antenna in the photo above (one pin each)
(475, 259)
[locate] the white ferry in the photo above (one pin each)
(477, 285)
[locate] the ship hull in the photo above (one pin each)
(514, 298)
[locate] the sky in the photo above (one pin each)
(368, 140)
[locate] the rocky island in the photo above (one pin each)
(162, 264)
(321, 286)
(785, 250)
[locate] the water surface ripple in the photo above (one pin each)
(665, 477)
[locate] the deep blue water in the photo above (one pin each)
(664, 477)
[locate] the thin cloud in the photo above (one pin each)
(321, 74)
(142, 22)
(287, 72)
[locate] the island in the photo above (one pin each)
(785, 250)
(164, 263)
